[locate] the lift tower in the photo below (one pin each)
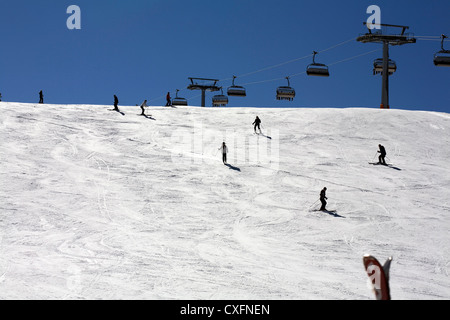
(386, 40)
(206, 85)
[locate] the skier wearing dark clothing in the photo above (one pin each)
(257, 124)
(41, 97)
(382, 153)
(143, 105)
(323, 198)
(168, 99)
(224, 149)
(116, 103)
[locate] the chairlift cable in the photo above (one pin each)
(360, 55)
(338, 45)
(290, 61)
(438, 37)
(304, 72)
(439, 40)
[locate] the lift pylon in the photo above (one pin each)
(205, 85)
(387, 40)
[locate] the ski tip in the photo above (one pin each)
(369, 259)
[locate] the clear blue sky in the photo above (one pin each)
(141, 49)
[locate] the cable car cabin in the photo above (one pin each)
(285, 93)
(318, 70)
(220, 100)
(442, 59)
(236, 91)
(178, 101)
(378, 66)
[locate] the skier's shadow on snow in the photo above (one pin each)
(386, 165)
(232, 167)
(333, 213)
(118, 111)
(148, 117)
(392, 167)
(263, 135)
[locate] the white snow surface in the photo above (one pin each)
(96, 205)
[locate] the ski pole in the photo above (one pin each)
(374, 155)
(314, 203)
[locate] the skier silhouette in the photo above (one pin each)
(257, 124)
(323, 198)
(224, 149)
(116, 103)
(0, 97)
(382, 153)
(41, 97)
(143, 105)
(168, 99)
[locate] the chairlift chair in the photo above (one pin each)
(378, 66)
(178, 101)
(286, 92)
(442, 58)
(317, 69)
(236, 91)
(220, 100)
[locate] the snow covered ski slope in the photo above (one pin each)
(96, 205)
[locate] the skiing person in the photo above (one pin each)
(323, 198)
(41, 97)
(224, 149)
(168, 99)
(143, 105)
(116, 103)
(257, 124)
(0, 97)
(382, 153)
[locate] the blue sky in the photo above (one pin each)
(141, 49)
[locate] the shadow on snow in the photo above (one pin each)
(232, 167)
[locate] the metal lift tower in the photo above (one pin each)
(212, 86)
(386, 40)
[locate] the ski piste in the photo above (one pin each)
(379, 276)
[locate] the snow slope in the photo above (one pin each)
(96, 205)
